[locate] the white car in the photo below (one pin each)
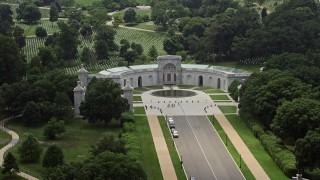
(175, 134)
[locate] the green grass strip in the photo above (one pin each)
(214, 91)
(139, 110)
(186, 86)
(149, 160)
(4, 135)
(137, 98)
(228, 109)
(256, 148)
(234, 153)
(219, 97)
(172, 150)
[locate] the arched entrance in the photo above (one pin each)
(139, 81)
(124, 83)
(218, 83)
(169, 74)
(200, 82)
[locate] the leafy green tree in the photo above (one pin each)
(53, 157)
(48, 58)
(233, 89)
(29, 150)
(54, 13)
(6, 20)
(29, 12)
(63, 106)
(153, 53)
(109, 143)
(173, 44)
(130, 56)
(103, 101)
(67, 3)
(68, 41)
(98, 17)
(12, 62)
(294, 119)
(104, 43)
(124, 46)
(137, 48)
(87, 55)
(19, 37)
(41, 32)
(10, 164)
(86, 30)
(129, 16)
(307, 151)
(54, 128)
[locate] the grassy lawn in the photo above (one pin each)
(140, 90)
(9, 177)
(139, 110)
(186, 87)
(256, 148)
(219, 97)
(228, 109)
(208, 89)
(147, 26)
(76, 142)
(153, 87)
(149, 161)
(86, 2)
(234, 153)
(5, 137)
(137, 98)
(172, 150)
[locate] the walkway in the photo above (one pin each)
(14, 141)
(242, 149)
(167, 169)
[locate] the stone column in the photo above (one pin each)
(83, 75)
(79, 94)
(128, 94)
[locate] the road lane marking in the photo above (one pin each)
(201, 148)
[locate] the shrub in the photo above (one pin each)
(41, 32)
(54, 128)
(126, 117)
(53, 157)
(129, 127)
(29, 150)
(233, 89)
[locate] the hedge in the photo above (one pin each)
(233, 89)
(280, 154)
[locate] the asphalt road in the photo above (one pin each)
(203, 154)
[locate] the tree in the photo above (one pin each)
(86, 30)
(12, 62)
(103, 101)
(105, 42)
(41, 32)
(173, 44)
(130, 56)
(137, 48)
(10, 164)
(307, 151)
(68, 41)
(67, 3)
(29, 150)
(129, 16)
(53, 157)
(29, 12)
(124, 46)
(109, 143)
(6, 20)
(54, 13)
(87, 56)
(48, 58)
(54, 128)
(153, 52)
(19, 37)
(36, 113)
(294, 119)
(63, 106)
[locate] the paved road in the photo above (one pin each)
(203, 154)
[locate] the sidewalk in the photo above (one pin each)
(14, 141)
(167, 169)
(242, 149)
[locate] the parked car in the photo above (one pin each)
(175, 134)
(192, 178)
(171, 123)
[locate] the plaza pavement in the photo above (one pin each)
(200, 104)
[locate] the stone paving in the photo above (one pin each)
(200, 104)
